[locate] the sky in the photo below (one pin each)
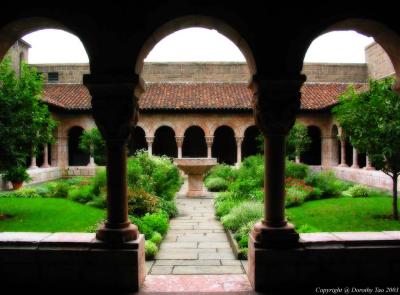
(194, 44)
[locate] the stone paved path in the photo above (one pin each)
(196, 242)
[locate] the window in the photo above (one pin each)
(52, 77)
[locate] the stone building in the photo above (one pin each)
(196, 109)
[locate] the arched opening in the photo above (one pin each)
(137, 141)
(76, 157)
(349, 153)
(224, 145)
(165, 143)
(194, 143)
(250, 144)
(313, 155)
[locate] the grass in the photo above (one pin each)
(344, 214)
(48, 215)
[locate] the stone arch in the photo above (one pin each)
(156, 126)
(250, 145)
(313, 156)
(15, 30)
(388, 39)
(203, 21)
(194, 143)
(137, 140)
(228, 123)
(76, 157)
(164, 142)
(224, 145)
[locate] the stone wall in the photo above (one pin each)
(221, 72)
(379, 64)
(341, 73)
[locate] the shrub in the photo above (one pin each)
(150, 250)
(156, 238)
(25, 193)
(143, 227)
(16, 175)
(244, 241)
(223, 208)
(141, 202)
(242, 214)
(81, 194)
(296, 170)
(98, 202)
(216, 184)
(295, 197)
(43, 191)
(99, 182)
(357, 191)
(223, 171)
(59, 190)
(157, 222)
(168, 207)
(244, 230)
(327, 183)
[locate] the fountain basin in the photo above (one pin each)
(195, 168)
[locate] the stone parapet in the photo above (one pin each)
(71, 261)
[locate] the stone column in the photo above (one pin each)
(368, 165)
(45, 156)
(209, 142)
(355, 159)
(239, 141)
(297, 159)
(62, 151)
(276, 105)
(179, 143)
(33, 162)
(150, 140)
(343, 154)
(329, 151)
(115, 108)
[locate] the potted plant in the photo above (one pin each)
(17, 176)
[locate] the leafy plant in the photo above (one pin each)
(16, 174)
(357, 191)
(157, 222)
(216, 184)
(141, 202)
(81, 194)
(242, 214)
(25, 193)
(156, 238)
(150, 250)
(92, 143)
(296, 170)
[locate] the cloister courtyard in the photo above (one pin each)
(196, 177)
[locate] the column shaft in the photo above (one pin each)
(33, 163)
(355, 159)
(45, 156)
(343, 154)
(239, 141)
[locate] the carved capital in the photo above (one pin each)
(239, 139)
(276, 103)
(114, 104)
(179, 140)
(209, 140)
(150, 139)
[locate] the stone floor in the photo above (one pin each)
(196, 242)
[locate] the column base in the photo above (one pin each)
(355, 166)
(344, 165)
(108, 234)
(274, 237)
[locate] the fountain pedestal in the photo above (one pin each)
(195, 168)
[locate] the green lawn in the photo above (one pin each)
(48, 215)
(344, 214)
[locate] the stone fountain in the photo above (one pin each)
(195, 168)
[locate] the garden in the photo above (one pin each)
(77, 204)
(315, 201)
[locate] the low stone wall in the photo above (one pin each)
(372, 178)
(39, 175)
(65, 261)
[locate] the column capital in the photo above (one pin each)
(276, 102)
(114, 104)
(239, 139)
(150, 139)
(179, 140)
(209, 140)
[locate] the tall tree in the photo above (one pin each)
(25, 121)
(371, 120)
(92, 142)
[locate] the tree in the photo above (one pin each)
(298, 141)
(25, 121)
(371, 121)
(92, 142)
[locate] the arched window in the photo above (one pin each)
(313, 155)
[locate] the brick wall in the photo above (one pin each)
(379, 64)
(212, 72)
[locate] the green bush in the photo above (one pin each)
(242, 214)
(244, 230)
(98, 202)
(25, 193)
(141, 202)
(168, 207)
(81, 194)
(43, 191)
(216, 184)
(143, 227)
(59, 190)
(223, 171)
(157, 222)
(150, 250)
(99, 181)
(328, 183)
(16, 175)
(357, 191)
(295, 197)
(223, 208)
(296, 170)
(156, 238)
(244, 241)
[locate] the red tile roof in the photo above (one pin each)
(195, 96)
